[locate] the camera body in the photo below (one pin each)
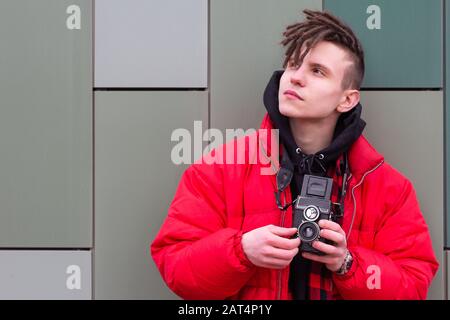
(312, 205)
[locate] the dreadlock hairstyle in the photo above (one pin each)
(323, 26)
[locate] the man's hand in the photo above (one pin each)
(334, 254)
(269, 246)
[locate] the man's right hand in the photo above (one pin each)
(270, 246)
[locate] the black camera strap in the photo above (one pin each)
(284, 178)
(343, 169)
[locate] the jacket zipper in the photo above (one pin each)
(354, 199)
(283, 214)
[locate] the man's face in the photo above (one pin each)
(317, 82)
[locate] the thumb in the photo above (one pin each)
(282, 232)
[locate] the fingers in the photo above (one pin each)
(278, 239)
(282, 232)
(273, 263)
(334, 236)
(331, 225)
(281, 254)
(283, 243)
(325, 248)
(321, 259)
(264, 246)
(275, 258)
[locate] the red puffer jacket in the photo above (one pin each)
(198, 249)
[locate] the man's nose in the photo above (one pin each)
(298, 77)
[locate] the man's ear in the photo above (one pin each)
(349, 100)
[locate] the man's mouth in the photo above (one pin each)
(293, 94)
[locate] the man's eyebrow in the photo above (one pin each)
(320, 66)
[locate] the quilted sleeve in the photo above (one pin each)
(198, 256)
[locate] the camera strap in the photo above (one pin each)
(343, 169)
(284, 178)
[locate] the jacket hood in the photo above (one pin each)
(348, 129)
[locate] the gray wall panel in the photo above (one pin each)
(135, 183)
(447, 272)
(407, 128)
(447, 119)
(151, 43)
(42, 275)
(45, 123)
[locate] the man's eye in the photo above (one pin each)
(291, 64)
(316, 70)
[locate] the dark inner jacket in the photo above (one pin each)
(348, 129)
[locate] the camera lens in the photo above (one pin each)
(308, 231)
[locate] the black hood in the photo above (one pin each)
(348, 129)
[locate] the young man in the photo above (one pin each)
(231, 231)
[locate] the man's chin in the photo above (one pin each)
(289, 113)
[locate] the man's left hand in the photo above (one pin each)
(334, 254)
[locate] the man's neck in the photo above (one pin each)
(313, 136)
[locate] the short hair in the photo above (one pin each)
(323, 26)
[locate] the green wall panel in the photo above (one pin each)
(402, 40)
